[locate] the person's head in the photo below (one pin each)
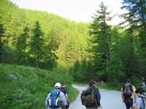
(63, 84)
(139, 91)
(57, 85)
(128, 81)
(92, 82)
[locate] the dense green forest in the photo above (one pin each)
(87, 51)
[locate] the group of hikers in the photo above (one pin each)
(132, 97)
(90, 98)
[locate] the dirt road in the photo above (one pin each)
(109, 99)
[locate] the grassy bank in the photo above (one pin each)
(26, 87)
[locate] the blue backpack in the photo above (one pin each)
(54, 99)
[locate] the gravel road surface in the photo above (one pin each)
(109, 99)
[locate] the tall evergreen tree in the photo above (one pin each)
(100, 39)
(22, 47)
(136, 21)
(36, 44)
(136, 15)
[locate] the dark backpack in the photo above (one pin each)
(127, 90)
(88, 97)
(54, 99)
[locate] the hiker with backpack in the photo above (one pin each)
(140, 101)
(55, 99)
(64, 90)
(91, 96)
(128, 93)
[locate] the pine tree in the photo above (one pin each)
(136, 23)
(22, 47)
(136, 15)
(100, 38)
(36, 44)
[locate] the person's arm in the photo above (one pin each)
(138, 102)
(63, 99)
(122, 94)
(46, 103)
(134, 94)
(98, 96)
(66, 96)
(138, 107)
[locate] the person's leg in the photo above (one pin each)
(131, 103)
(127, 103)
(63, 107)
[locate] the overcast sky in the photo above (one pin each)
(74, 10)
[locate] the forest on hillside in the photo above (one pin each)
(95, 50)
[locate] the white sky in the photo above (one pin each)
(74, 10)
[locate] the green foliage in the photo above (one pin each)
(111, 86)
(100, 45)
(22, 46)
(1, 35)
(8, 55)
(135, 17)
(136, 81)
(26, 87)
(36, 44)
(116, 71)
(102, 53)
(63, 40)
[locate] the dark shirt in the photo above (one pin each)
(64, 90)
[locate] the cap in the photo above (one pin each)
(57, 85)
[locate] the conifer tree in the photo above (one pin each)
(135, 20)
(22, 47)
(136, 15)
(36, 44)
(100, 39)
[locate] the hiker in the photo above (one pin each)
(128, 93)
(140, 101)
(55, 99)
(64, 90)
(91, 101)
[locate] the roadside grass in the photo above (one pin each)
(104, 86)
(72, 93)
(27, 87)
(110, 87)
